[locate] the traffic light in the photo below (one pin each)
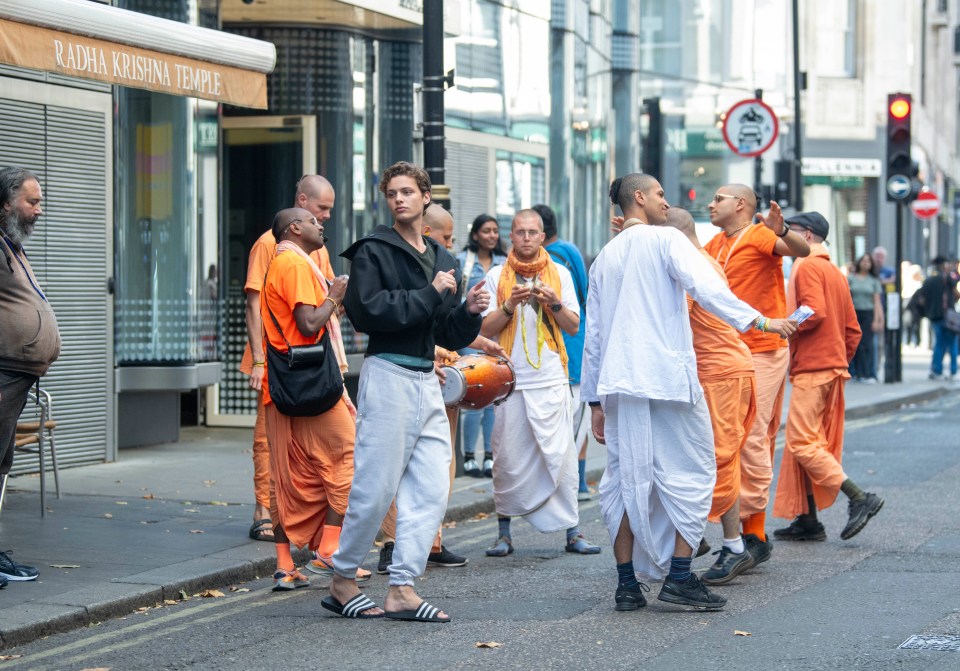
(899, 106)
(651, 156)
(784, 182)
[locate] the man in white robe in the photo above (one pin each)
(534, 457)
(640, 379)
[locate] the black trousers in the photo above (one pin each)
(14, 387)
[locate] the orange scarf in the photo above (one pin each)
(544, 269)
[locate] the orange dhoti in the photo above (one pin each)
(261, 457)
(311, 465)
(756, 458)
(732, 406)
(814, 448)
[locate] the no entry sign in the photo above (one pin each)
(927, 205)
(750, 127)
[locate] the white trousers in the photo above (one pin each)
(402, 451)
(534, 459)
(661, 470)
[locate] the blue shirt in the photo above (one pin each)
(477, 273)
(567, 255)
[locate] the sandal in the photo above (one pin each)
(354, 608)
(259, 533)
(423, 613)
(582, 546)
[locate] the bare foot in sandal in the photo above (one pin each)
(343, 590)
(403, 603)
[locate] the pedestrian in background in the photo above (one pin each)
(566, 254)
(29, 335)
(865, 289)
(937, 294)
(483, 251)
(811, 474)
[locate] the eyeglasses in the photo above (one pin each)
(720, 196)
(527, 234)
(312, 220)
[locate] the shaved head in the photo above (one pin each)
(622, 189)
(745, 192)
(283, 219)
(312, 186)
(523, 215)
(682, 220)
(438, 224)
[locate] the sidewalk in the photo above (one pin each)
(174, 518)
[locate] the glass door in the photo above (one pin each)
(263, 159)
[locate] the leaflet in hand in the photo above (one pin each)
(801, 314)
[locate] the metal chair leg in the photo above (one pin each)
(43, 470)
(56, 470)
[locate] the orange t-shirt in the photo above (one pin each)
(755, 274)
(263, 251)
(290, 283)
(721, 354)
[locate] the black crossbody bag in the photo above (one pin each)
(304, 381)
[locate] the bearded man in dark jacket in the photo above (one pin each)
(404, 294)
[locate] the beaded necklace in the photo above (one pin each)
(540, 337)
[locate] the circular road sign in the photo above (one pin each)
(750, 127)
(927, 205)
(899, 187)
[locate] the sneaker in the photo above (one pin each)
(801, 530)
(11, 570)
(471, 468)
(869, 380)
(386, 558)
(860, 513)
(631, 598)
(584, 495)
(323, 566)
(446, 559)
(702, 549)
(690, 592)
(936, 376)
(728, 566)
(488, 467)
(582, 546)
(288, 580)
(3, 581)
(760, 550)
(501, 548)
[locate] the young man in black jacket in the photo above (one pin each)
(404, 294)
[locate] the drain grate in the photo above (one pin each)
(942, 643)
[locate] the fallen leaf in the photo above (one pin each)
(197, 531)
(121, 503)
(141, 609)
(188, 503)
(211, 593)
(170, 602)
(64, 565)
(149, 496)
(239, 589)
(208, 483)
(488, 644)
(6, 657)
(184, 595)
(449, 525)
(109, 516)
(219, 503)
(481, 516)
(737, 632)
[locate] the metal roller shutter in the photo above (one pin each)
(66, 148)
(468, 169)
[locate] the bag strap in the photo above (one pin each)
(468, 264)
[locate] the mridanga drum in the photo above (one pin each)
(475, 381)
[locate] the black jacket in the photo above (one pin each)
(390, 300)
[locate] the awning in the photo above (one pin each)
(93, 41)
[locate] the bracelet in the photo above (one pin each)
(761, 323)
(259, 364)
(503, 306)
(336, 305)
(786, 229)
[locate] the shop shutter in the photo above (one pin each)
(468, 172)
(66, 148)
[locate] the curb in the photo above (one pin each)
(896, 403)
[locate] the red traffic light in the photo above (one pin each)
(899, 108)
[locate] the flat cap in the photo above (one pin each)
(812, 221)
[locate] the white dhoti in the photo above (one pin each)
(534, 458)
(661, 471)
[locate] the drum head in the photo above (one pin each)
(454, 388)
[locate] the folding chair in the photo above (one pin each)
(32, 437)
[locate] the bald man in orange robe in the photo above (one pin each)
(725, 370)
(811, 474)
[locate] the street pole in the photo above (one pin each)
(758, 164)
(796, 175)
(433, 113)
(893, 367)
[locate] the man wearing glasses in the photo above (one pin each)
(534, 457)
(751, 256)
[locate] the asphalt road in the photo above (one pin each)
(832, 605)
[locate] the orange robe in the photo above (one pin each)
(311, 458)
(725, 369)
(262, 252)
(820, 352)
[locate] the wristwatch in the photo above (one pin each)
(556, 307)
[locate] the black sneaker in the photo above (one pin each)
(488, 467)
(11, 570)
(860, 513)
(728, 566)
(690, 592)
(3, 582)
(760, 550)
(446, 559)
(386, 558)
(631, 598)
(471, 467)
(801, 530)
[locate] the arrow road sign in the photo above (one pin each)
(898, 187)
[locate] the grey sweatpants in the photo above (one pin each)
(403, 451)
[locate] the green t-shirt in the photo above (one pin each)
(862, 289)
(427, 259)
